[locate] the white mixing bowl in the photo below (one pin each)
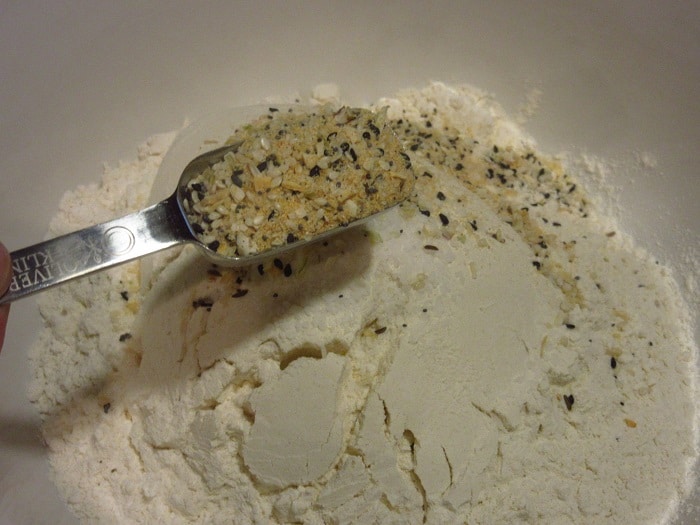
(85, 82)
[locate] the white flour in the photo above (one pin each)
(491, 352)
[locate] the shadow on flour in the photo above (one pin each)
(234, 304)
(200, 314)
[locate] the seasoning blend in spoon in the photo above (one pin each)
(285, 179)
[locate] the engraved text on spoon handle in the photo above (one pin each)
(55, 261)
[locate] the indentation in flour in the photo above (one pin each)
(412, 444)
(308, 350)
(449, 465)
(281, 451)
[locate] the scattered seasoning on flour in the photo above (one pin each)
(492, 351)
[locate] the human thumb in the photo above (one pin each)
(5, 277)
(5, 269)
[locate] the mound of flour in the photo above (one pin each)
(493, 351)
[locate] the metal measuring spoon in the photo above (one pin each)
(158, 227)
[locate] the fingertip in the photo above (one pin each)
(4, 314)
(5, 268)
(5, 277)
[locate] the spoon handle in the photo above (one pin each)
(55, 261)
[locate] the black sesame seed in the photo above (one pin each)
(288, 270)
(236, 178)
(380, 331)
(569, 401)
(613, 362)
(262, 166)
(443, 219)
(441, 196)
(214, 245)
(278, 264)
(261, 269)
(106, 407)
(291, 238)
(125, 295)
(315, 171)
(124, 337)
(425, 212)
(203, 302)
(570, 326)
(430, 247)
(197, 228)
(240, 293)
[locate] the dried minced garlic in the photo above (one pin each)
(295, 175)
